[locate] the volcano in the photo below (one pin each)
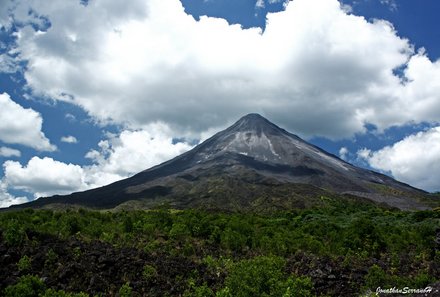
(253, 164)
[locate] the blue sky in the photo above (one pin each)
(95, 91)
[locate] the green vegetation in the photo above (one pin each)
(24, 264)
(149, 272)
(27, 286)
(125, 290)
(263, 276)
(344, 247)
(31, 286)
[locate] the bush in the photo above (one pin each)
(199, 291)
(263, 276)
(149, 272)
(27, 286)
(422, 280)
(179, 231)
(14, 234)
(72, 225)
(375, 277)
(24, 264)
(51, 258)
(298, 287)
(233, 240)
(128, 224)
(125, 290)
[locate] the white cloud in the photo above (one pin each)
(118, 157)
(9, 152)
(131, 152)
(70, 117)
(8, 64)
(392, 5)
(21, 126)
(346, 8)
(4, 16)
(7, 199)
(285, 2)
(44, 177)
(69, 139)
(343, 153)
(260, 4)
(414, 160)
(150, 61)
(364, 153)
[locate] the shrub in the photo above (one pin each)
(263, 276)
(233, 240)
(72, 225)
(179, 231)
(375, 277)
(125, 290)
(149, 272)
(128, 224)
(27, 286)
(297, 287)
(51, 257)
(14, 234)
(199, 291)
(24, 264)
(76, 252)
(422, 280)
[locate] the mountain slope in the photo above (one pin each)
(253, 162)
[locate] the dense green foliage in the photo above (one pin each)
(240, 254)
(31, 286)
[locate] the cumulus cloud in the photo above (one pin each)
(134, 151)
(414, 160)
(9, 152)
(21, 126)
(5, 20)
(150, 61)
(69, 139)
(118, 157)
(8, 64)
(44, 176)
(364, 153)
(7, 199)
(343, 153)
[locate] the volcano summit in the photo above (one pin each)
(253, 164)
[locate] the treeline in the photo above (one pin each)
(345, 247)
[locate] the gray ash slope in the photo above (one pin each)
(252, 160)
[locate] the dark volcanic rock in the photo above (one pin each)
(97, 267)
(240, 162)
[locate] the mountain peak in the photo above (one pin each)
(256, 124)
(255, 137)
(253, 119)
(238, 163)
